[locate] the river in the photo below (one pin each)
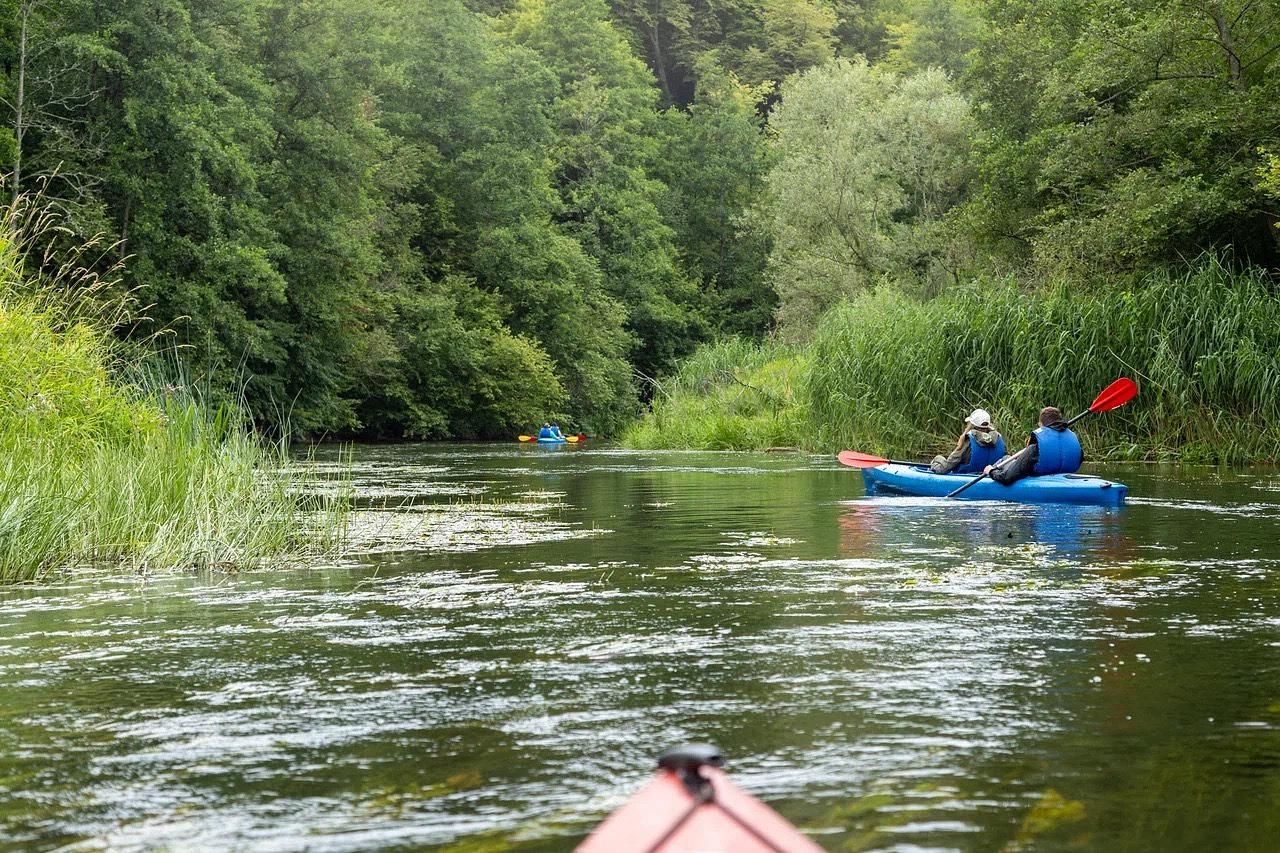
(521, 631)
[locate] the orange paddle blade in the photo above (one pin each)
(854, 459)
(1115, 395)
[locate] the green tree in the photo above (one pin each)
(484, 116)
(604, 152)
(924, 34)
(1125, 135)
(717, 162)
(868, 164)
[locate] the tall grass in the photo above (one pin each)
(731, 395)
(889, 373)
(96, 470)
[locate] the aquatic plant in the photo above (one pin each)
(730, 395)
(99, 470)
(892, 373)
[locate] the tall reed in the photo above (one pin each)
(730, 395)
(892, 374)
(98, 470)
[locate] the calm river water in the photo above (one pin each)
(516, 639)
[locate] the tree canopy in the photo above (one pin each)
(463, 217)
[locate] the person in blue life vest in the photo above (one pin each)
(979, 445)
(1052, 449)
(555, 431)
(546, 432)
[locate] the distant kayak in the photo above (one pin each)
(1053, 488)
(692, 807)
(568, 439)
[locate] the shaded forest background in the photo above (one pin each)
(458, 219)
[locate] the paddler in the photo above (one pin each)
(979, 445)
(546, 432)
(1052, 449)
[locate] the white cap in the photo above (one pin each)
(980, 418)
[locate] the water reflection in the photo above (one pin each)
(1059, 532)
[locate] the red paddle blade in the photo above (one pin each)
(854, 459)
(1115, 395)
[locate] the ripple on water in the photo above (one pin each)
(891, 675)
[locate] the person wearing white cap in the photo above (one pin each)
(979, 445)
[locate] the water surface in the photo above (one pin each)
(527, 628)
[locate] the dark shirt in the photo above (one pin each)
(1013, 468)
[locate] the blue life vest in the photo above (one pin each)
(546, 432)
(980, 455)
(1060, 452)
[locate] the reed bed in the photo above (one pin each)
(730, 395)
(97, 470)
(889, 373)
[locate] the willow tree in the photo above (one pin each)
(868, 163)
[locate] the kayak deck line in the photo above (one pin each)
(918, 480)
(692, 807)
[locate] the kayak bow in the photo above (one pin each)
(692, 807)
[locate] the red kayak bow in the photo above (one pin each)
(692, 807)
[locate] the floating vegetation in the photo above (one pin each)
(460, 527)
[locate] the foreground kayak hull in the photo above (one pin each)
(664, 817)
(1053, 488)
(553, 441)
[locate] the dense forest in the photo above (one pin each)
(457, 219)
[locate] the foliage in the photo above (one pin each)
(1124, 135)
(731, 395)
(868, 162)
(456, 219)
(892, 374)
(716, 170)
(760, 41)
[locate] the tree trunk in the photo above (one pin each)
(19, 128)
(1228, 47)
(659, 63)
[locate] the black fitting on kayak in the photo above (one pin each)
(687, 762)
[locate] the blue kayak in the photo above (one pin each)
(553, 441)
(1052, 488)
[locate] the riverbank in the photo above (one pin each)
(101, 471)
(890, 374)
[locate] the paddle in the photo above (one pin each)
(1113, 396)
(854, 459)
(525, 437)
